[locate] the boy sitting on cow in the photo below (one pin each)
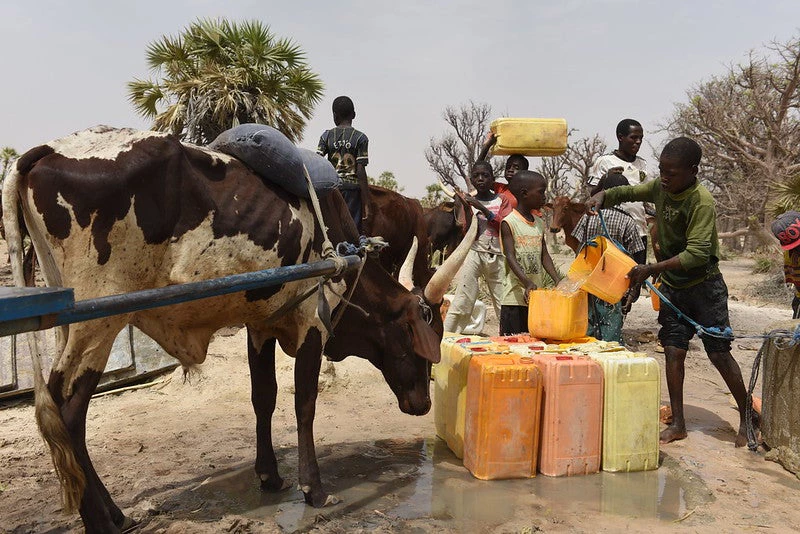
(690, 275)
(347, 150)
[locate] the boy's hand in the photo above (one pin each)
(639, 274)
(614, 170)
(530, 286)
(631, 296)
(491, 138)
(595, 203)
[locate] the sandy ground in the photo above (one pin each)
(177, 457)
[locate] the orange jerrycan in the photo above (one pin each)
(450, 392)
(503, 413)
(572, 414)
(554, 314)
(602, 269)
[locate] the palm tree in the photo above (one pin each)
(217, 74)
(7, 156)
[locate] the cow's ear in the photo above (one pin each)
(425, 341)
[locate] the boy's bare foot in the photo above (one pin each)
(674, 433)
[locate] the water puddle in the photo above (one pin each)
(423, 479)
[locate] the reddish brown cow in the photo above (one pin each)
(566, 214)
(398, 219)
(445, 230)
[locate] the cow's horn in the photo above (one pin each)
(406, 277)
(441, 279)
(445, 189)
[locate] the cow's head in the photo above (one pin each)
(566, 213)
(403, 329)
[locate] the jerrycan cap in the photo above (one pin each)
(463, 340)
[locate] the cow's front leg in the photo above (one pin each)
(306, 380)
(263, 395)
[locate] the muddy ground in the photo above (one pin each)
(177, 457)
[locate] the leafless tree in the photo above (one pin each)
(748, 124)
(567, 174)
(452, 155)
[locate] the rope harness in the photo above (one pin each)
(367, 246)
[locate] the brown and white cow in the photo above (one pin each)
(111, 211)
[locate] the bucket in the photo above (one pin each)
(603, 270)
(529, 137)
(553, 314)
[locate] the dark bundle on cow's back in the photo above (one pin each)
(273, 157)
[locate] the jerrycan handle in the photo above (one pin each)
(563, 357)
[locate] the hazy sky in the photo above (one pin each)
(592, 62)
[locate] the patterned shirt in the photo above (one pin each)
(345, 147)
(528, 237)
(635, 172)
(620, 227)
(488, 239)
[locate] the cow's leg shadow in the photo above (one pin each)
(263, 395)
(306, 382)
(97, 509)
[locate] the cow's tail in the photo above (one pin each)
(48, 415)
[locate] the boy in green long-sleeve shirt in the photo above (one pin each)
(687, 234)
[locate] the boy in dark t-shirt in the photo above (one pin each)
(347, 150)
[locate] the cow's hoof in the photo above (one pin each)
(273, 484)
(320, 499)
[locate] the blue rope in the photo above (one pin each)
(709, 331)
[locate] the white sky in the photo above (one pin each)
(65, 64)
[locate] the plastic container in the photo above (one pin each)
(553, 314)
(450, 390)
(440, 373)
(654, 298)
(529, 137)
(631, 402)
(572, 414)
(603, 270)
(503, 413)
(450, 339)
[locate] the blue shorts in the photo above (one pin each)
(706, 303)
